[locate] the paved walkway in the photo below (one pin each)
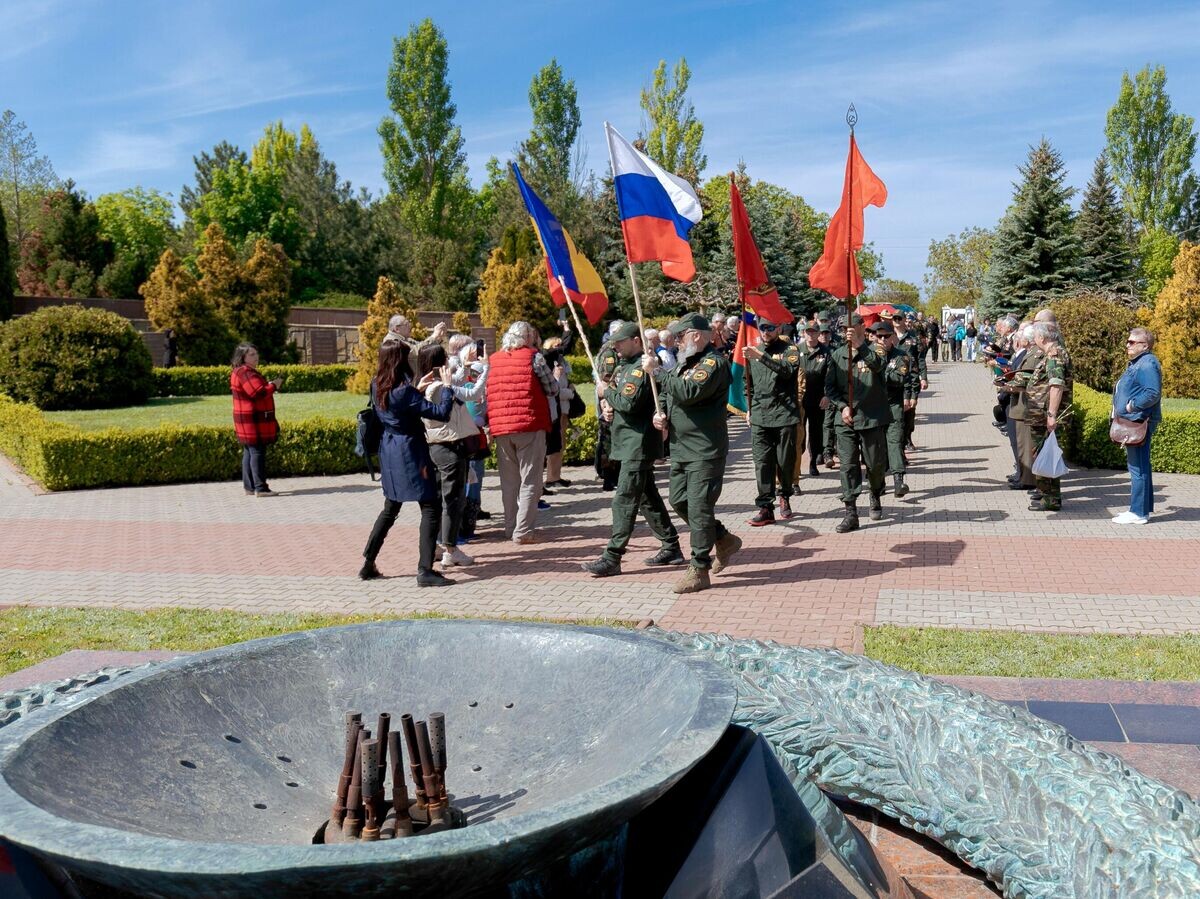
(960, 550)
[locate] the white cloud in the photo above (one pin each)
(127, 157)
(28, 25)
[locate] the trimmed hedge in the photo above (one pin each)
(213, 380)
(60, 457)
(1175, 447)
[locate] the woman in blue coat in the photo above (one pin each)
(405, 469)
(1138, 397)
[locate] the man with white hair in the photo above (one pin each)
(519, 387)
(1023, 365)
(402, 328)
(666, 349)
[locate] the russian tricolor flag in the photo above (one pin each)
(657, 209)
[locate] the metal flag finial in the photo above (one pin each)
(851, 116)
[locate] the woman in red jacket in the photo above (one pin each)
(253, 417)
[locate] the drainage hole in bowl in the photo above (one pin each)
(232, 739)
(283, 758)
(291, 783)
(260, 805)
(187, 764)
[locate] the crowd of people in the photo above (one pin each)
(843, 394)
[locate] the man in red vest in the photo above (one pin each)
(520, 388)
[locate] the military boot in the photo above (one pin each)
(602, 567)
(693, 581)
(876, 512)
(668, 555)
(900, 488)
(764, 517)
(724, 550)
(850, 522)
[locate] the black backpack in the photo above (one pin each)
(368, 435)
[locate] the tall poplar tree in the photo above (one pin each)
(1106, 255)
(676, 137)
(423, 159)
(25, 175)
(1035, 254)
(1150, 147)
(547, 156)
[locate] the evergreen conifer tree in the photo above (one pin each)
(1036, 252)
(1106, 256)
(6, 272)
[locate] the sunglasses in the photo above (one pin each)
(766, 327)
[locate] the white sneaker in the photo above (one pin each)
(1129, 518)
(456, 556)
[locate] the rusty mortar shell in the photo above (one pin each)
(352, 823)
(403, 823)
(381, 734)
(414, 758)
(371, 790)
(343, 786)
(432, 793)
(437, 743)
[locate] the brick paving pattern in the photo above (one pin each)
(960, 550)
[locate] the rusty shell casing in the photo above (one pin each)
(370, 789)
(343, 786)
(437, 743)
(433, 793)
(352, 823)
(381, 734)
(414, 757)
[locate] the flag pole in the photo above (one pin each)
(637, 300)
(742, 314)
(851, 120)
(578, 325)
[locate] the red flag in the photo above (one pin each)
(836, 272)
(758, 295)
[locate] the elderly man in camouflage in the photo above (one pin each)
(1048, 401)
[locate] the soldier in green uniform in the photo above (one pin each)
(902, 382)
(695, 392)
(908, 339)
(772, 394)
(636, 444)
(831, 342)
(1048, 401)
(862, 424)
(607, 469)
(815, 356)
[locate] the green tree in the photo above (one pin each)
(1157, 248)
(956, 267)
(248, 204)
(1106, 256)
(1035, 253)
(515, 289)
(1150, 147)
(138, 224)
(65, 254)
(25, 176)
(547, 156)
(278, 147)
(206, 165)
(423, 159)
(7, 275)
(894, 291)
(386, 302)
(676, 136)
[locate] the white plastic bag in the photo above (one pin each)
(1049, 462)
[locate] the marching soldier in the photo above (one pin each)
(774, 403)
(815, 357)
(863, 424)
(607, 469)
(902, 383)
(830, 342)
(628, 403)
(695, 392)
(909, 340)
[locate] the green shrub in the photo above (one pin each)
(581, 369)
(582, 432)
(1095, 329)
(1175, 447)
(213, 380)
(64, 458)
(69, 357)
(333, 299)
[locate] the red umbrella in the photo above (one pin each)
(871, 314)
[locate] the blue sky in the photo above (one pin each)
(949, 95)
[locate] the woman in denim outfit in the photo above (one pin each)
(1138, 397)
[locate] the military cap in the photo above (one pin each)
(812, 326)
(693, 321)
(824, 328)
(625, 331)
(855, 319)
(882, 327)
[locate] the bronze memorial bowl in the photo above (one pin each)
(210, 775)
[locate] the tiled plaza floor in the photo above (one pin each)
(960, 550)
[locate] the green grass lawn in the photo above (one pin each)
(1180, 405)
(1014, 654)
(210, 410)
(29, 635)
